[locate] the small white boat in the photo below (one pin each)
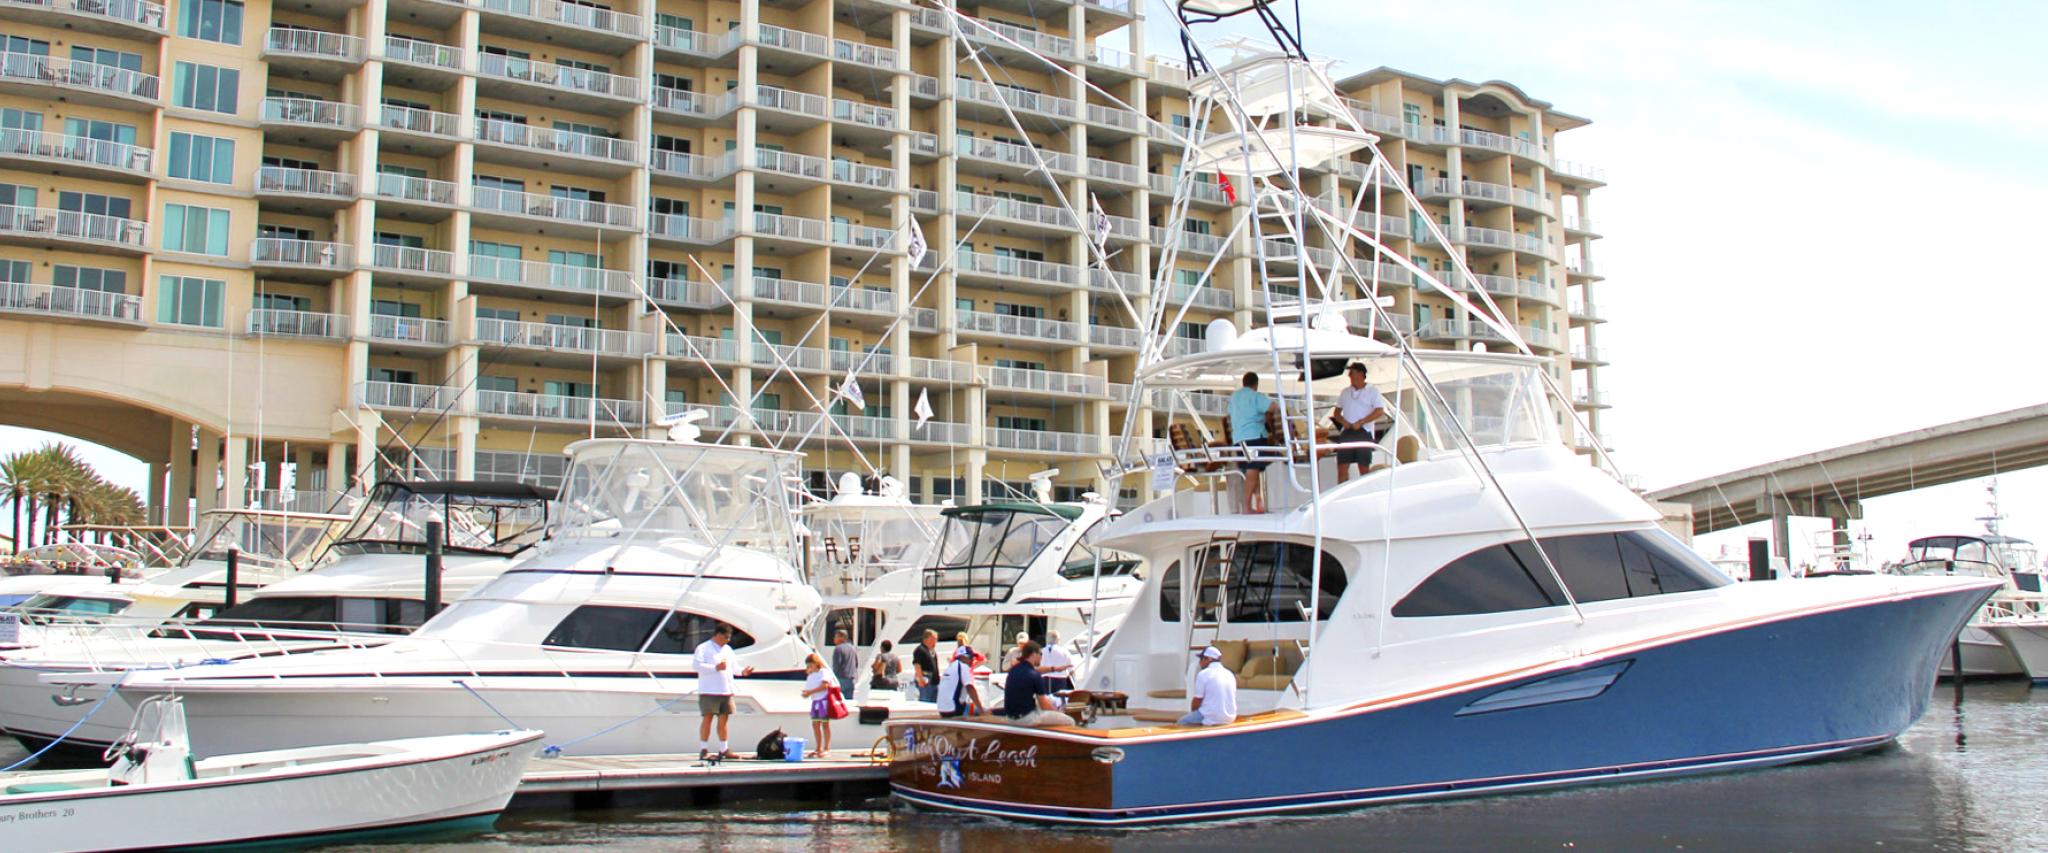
(156, 795)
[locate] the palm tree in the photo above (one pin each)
(16, 471)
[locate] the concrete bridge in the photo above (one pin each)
(1833, 483)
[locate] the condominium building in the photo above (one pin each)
(346, 239)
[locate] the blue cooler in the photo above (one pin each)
(792, 749)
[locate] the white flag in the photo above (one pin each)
(923, 409)
(850, 390)
(917, 245)
(1098, 222)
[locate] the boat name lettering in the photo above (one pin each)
(486, 759)
(37, 814)
(986, 750)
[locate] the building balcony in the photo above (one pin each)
(1588, 355)
(923, 87)
(867, 300)
(123, 18)
(315, 122)
(1286, 252)
(1188, 241)
(1053, 274)
(567, 23)
(687, 167)
(685, 44)
(1589, 398)
(789, 110)
(551, 278)
(863, 175)
(977, 92)
(535, 147)
(70, 303)
(806, 295)
(694, 107)
(420, 64)
(862, 362)
(1043, 381)
(924, 319)
(46, 227)
(940, 370)
(309, 325)
(85, 82)
(975, 153)
(423, 197)
(862, 53)
(1004, 35)
(1212, 298)
(1584, 312)
(1579, 226)
(802, 166)
(312, 188)
(1495, 142)
(407, 397)
(1110, 171)
(785, 356)
(1043, 441)
(864, 114)
(1112, 281)
(311, 54)
(1578, 172)
(533, 82)
(1584, 270)
(1019, 331)
(595, 216)
(701, 349)
(432, 132)
(410, 331)
(274, 254)
(553, 407)
(1114, 338)
(1200, 190)
(686, 294)
(412, 262)
(1117, 118)
(559, 338)
(688, 229)
(1029, 213)
(785, 40)
(76, 155)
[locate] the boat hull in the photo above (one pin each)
(2028, 642)
(1763, 693)
(476, 779)
(1983, 656)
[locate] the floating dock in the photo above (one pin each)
(586, 776)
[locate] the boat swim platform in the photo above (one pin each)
(582, 777)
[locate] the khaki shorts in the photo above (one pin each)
(713, 706)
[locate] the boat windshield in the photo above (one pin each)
(1498, 400)
(983, 551)
(280, 540)
(654, 490)
(44, 607)
(1968, 549)
(486, 518)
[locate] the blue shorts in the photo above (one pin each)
(1251, 464)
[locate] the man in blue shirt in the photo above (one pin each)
(1027, 699)
(1247, 424)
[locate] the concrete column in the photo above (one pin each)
(156, 508)
(235, 473)
(178, 499)
(302, 467)
(337, 467)
(1781, 531)
(464, 431)
(977, 465)
(206, 473)
(365, 473)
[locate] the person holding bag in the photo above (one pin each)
(820, 693)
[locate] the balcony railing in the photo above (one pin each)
(23, 297)
(1114, 117)
(1498, 142)
(74, 225)
(687, 41)
(556, 140)
(809, 359)
(324, 45)
(551, 276)
(78, 74)
(76, 149)
(280, 323)
(1114, 337)
(694, 166)
(558, 77)
(689, 228)
(415, 330)
(519, 404)
(138, 12)
(868, 362)
(560, 337)
(849, 172)
(412, 259)
(310, 112)
(1110, 170)
(803, 293)
(1044, 271)
(409, 188)
(924, 201)
(313, 182)
(585, 211)
(924, 86)
(408, 396)
(1025, 327)
(681, 101)
(1016, 155)
(862, 236)
(1203, 297)
(419, 52)
(792, 227)
(863, 299)
(775, 97)
(799, 41)
(975, 90)
(974, 204)
(420, 121)
(1031, 40)
(714, 350)
(1206, 244)
(800, 165)
(859, 113)
(1048, 381)
(861, 53)
(277, 251)
(1043, 441)
(572, 14)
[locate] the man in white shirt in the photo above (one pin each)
(1359, 406)
(1214, 702)
(1058, 666)
(957, 694)
(715, 672)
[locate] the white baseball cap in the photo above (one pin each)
(1023, 637)
(1212, 653)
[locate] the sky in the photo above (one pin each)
(1795, 193)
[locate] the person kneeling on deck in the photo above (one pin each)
(1215, 696)
(1027, 698)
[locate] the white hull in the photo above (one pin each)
(2028, 642)
(415, 783)
(1983, 655)
(583, 717)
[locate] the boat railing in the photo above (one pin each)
(111, 644)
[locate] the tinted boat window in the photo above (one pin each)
(684, 632)
(1169, 594)
(1493, 579)
(1272, 582)
(946, 626)
(1595, 566)
(596, 626)
(1589, 564)
(1657, 563)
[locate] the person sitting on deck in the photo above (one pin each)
(1214, 702)
(1027, 699)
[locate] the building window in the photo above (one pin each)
(200, 230)
(202, 158)
(204, 87)
(89, 278)
(212, 20)
(186, 301)
(14, 272)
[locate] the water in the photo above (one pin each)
(1969, 776)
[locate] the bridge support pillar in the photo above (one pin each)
(1781, 533)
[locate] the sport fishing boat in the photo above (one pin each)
(652, 544)
(375, 588)
(858, 535)
(1983, 653)
(1481, 612)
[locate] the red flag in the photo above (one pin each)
(1223, 183)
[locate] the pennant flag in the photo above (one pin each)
(850, 390)
(917, 246)
(1098, 221)
(1223, 183)
(923, 409)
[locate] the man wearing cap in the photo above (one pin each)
(1359, 407)
(1010, 657)
(957, 695)
(1214, 702)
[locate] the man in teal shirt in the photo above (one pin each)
(1247, 424)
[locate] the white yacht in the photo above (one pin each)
(373, 590)
(652, 544)
(1983, 653)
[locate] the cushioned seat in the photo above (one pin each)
(43, 787)
(1167, 694)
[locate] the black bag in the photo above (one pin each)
(770, 747)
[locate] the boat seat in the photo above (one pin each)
(1407, 449)
(1167, 694)
(43, 788)
(1268, 665)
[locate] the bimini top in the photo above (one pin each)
(1061, 510)
(508, 489)
(589, 444)
(1224, 364)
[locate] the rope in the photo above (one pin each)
(111, 689)
(555, 749)
(487, 703)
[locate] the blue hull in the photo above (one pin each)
(1764, 694)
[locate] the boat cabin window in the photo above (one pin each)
(43, 605)
(481, 518)
(983, 552)
(1272, 581)
(628, 629)
(1967, 549)
(1169, 593)
(863, 624)
(1596, 566)
(947, 628)
(711, 493)
(269, 539)
(321, 613)
(1082, 567)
